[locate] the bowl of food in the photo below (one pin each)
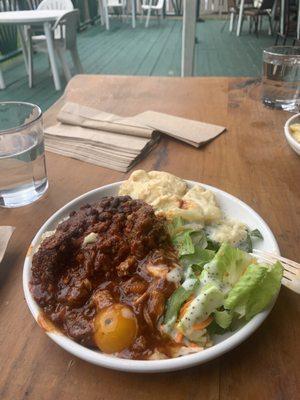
(292, 132)
(151, 274)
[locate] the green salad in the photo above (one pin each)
(222, 286)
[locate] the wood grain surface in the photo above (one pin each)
(251, 161)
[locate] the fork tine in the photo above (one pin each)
(292, 269)
(276, 257)
(291, 272)
(292, 285)
(286, 266)
(288, 275)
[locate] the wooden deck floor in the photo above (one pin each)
(152, 51)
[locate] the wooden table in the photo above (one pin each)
(252, 161)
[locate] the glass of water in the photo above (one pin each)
(281, 78)
(23, 177)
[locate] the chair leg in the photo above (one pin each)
(76, 60)
(260, 22)
(148, 18)
(256, 25)
(106, 14)
(30, 61)
(231, 22)
(62, 57)
(24, 32)
(271, 27)
(235, 22)
(51, 52)
(242, 22)
(2, 83)
(124, 14)
(101, 12)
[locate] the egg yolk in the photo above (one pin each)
(115, 328)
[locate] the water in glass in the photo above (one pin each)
(23, 176)
(281, 78)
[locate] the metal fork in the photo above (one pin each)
(291, 272)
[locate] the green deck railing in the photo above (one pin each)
(93, 10)
(80, 5)
(88, 11)
(9, 46)
(28, 4)
(8, 33)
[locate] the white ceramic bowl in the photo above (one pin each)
(232, 207)
(289, 137)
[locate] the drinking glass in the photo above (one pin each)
(281, 78)
(23, 177)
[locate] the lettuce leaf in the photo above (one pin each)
(230, 286)
(183, 243)
(199, 239)
(213, 245)
(209, 299)
(198, 259)
(179, 296)
(247, 244)
(223, 318)
(255, 290)
(186, 241)
(226, 267)
(175, 226)
(256, 234)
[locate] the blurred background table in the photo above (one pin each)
(251, 161)
(32, 18)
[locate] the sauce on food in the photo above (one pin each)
(103, 277)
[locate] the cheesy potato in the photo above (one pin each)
(228, 230)
(154, 187)
(202, 201)
(295, 131)
(170, 196)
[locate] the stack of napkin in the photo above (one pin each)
(116, 142)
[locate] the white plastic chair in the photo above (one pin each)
(149, 5)
(66, 41)
(104, 5)
(47, 5)
(65, 5)
(56, 5)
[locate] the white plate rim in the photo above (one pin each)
(289, 137)
(144, 366)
